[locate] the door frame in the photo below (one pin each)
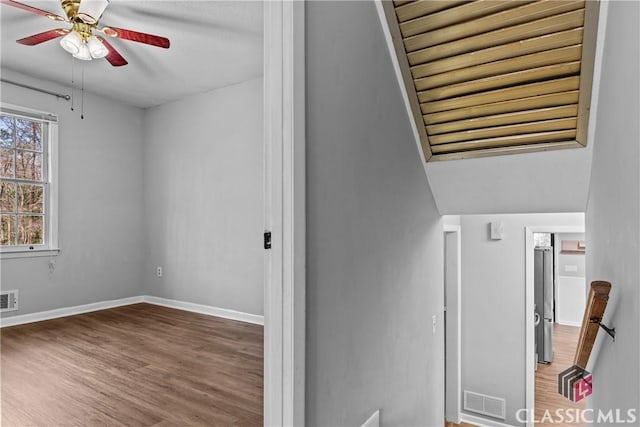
(530, 383)
(284, 200)
(456, 358)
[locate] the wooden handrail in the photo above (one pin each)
(593, 313)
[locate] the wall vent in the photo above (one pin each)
(485, 405)
(8, 300)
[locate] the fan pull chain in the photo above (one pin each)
(82, 96)
(72, 82)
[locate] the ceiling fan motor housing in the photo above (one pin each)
(71, 8)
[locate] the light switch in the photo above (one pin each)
(571, 268)
(433, 321)
(497, 231)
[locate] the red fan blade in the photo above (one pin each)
(137, 37)
(33, 10)
(43, 37)
(113, 57)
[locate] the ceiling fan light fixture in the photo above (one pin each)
(83, 53)
(96, 48)
(72, 42)
(90, 11)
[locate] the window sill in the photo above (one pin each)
(29, 253)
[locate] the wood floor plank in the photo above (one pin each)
(139, 365)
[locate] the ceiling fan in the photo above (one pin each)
(84, 39)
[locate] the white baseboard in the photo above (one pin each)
(206, 309)
(481, 422)
(22, 319)
(568, 323)
(67, 311)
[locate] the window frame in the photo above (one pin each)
(50, 246)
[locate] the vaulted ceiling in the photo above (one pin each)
(437, 48)
(490, 77)
(213, 44)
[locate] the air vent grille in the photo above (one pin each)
(492, 77)
(8, 300)
(484, 404)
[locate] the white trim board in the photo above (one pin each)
(454, 409)
(206, 309)
(568, 323)
(373, 420)
(22, 319)
(284, 189)
(103, 305)
(481, 422)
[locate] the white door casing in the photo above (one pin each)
(284, 192)
(453, 323)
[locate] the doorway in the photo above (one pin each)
(452, 322)
(548, 262)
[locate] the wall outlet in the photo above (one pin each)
(159, 271)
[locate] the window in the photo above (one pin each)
(28, 220)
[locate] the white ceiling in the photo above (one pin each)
(213, 44)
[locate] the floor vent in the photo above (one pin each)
(485, 405)
(8, 301)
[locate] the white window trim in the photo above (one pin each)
(51, 247)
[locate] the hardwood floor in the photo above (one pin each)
(565, 341)
(139, 365)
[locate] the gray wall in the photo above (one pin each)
(203, 203)
(190, 202)
(100, 187)
(567, 259)
(549, 181)
(570, 289)
(493, 304)
(613, 213)
(374, 236)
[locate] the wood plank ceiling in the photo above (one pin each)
(491, 77)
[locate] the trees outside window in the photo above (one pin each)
(24, 181)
